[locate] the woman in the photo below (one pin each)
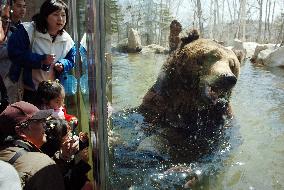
(42, 47)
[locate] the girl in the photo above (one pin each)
(42, 47)
(51, 95)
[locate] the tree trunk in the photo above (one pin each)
(160, 24)
(243, 19)
(199, 15)
(210, 20)
(222, 21)
(230, 12)
(280, 38)
(272, 20)
(237, 34)
(260, 3)
(265, 20)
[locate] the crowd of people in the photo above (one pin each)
(39, 142)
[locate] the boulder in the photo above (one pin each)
(132, 44)
(134, 41)
(154, 48)
(274, 58)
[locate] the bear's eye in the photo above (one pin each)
(233, 67)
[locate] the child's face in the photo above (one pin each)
(57, 102)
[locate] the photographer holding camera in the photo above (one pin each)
(69, 151)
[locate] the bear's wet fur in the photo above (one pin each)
(189, 104)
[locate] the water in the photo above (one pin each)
(255, 157)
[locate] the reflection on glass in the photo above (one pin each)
(190, 113)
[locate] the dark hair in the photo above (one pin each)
(46, 9)
(55, 130)
(14, 1)
(46, 91)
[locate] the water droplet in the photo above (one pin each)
(240, 163)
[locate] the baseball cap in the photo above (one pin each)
(20, 112)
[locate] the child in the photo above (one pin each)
(63, 147)
(50, 95)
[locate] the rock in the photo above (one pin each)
(134, 41)
(132, 44)
(261, 47)
(250, 47)
(275, 58)
(154, 48)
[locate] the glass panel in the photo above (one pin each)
(187, 113)
(92, 83)
(79, 100)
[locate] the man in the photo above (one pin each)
(24, 124)
(18, 12)
(9, 24)
(4, 60)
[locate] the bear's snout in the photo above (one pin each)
(225, 82)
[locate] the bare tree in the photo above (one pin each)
(222, 20)
(216, 19)
(266, 20)
(241, 20)
(179, 2)
(260, 3)
(280, 38)
(210, 20)
(272, 20)
(230, 12)
(199, 15)
(160, 23)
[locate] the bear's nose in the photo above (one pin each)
(226, 81)
(230, 79)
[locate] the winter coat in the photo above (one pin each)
(5, 62)
(14, 89)
(37, 170)
(28, 47)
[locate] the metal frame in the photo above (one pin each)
(97, 85)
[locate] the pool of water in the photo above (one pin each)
(256, 161)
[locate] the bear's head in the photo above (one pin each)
(194, 84)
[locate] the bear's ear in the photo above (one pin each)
(241, 55)
(192, 35)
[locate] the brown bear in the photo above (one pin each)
(188, 105)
